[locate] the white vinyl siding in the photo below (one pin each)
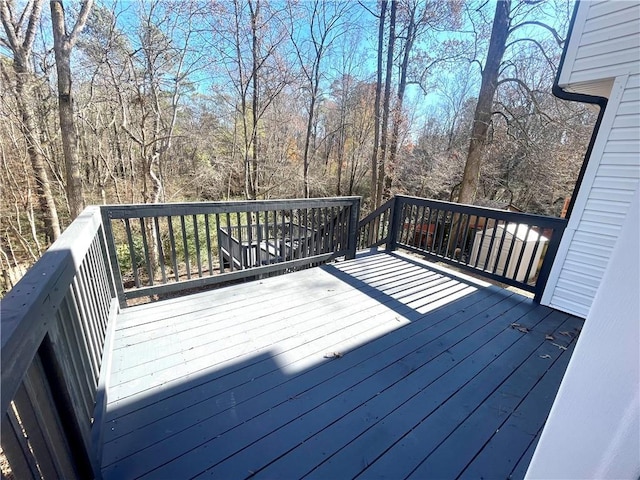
(601, 208)
(604, 44)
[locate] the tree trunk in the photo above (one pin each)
(482, 115)
(307, 141)
(19, 39)
(255, 101)
(376, 105)
(62, 45)
(386, 105)
(397, 111)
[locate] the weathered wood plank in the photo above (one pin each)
(37, 389)
(262, 376)
(495, 382)
(305, 322)
(275, 417)
(451, 456)
(33, 431)
(512, 438)
(15, 448)
(235, 301)
(234, 382)
(359, 407)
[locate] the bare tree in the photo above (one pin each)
(20, 34)
(503, 27)
(63, 44)
(327, 22)
(376, 132)
(386, 105)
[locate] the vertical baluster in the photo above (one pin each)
(430, 234)
(464, 250)
(307, 233)
(231, 250)
(421, 226)
(132, 254)
(85, 328)
(314, 232)
(250, 255)
(207, 232)
(533, 253)
(332, 244)
(196, 235)
(145, 245)
(220, 236)
(185, 244)
(274, 226)
(260, 238)
(16, 448)
(441, 227)
(174, 253)
(514, 241)
(156, 224)
(490, 248)
(521, 254)
(457, 220)
(301, 233)
(283, 241)
(496, 263)
(482, 238)
(240, 246)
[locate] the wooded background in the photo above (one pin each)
(163, 101)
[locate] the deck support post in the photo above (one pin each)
(396, 214)
(547, 262)
(352, 240)
(113, 257)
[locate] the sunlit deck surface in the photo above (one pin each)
(380, 367)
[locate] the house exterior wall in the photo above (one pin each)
(613, 170)
(593, 429)
(603, 45)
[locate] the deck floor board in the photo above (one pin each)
(384, 366)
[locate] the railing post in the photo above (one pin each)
(394, 223)
(354, 218)
(548, 260)
(113, 257)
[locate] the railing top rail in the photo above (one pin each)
(193, 208)
(28, 307)
(540, 220)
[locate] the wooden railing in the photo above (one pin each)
(511, 247)
(375, 228)
(57, 322)
(162, 249)
(54, 330)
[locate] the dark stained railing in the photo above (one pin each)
(57, 322)
(510, 247)
(160, 249)
(374, 229)
(54, 339)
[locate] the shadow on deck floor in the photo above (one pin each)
(383, 366)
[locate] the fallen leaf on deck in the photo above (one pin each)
(566, 334)
(515, 325)
(549, 337)
(559, 346)
(545, 356)
(523, 329)
(333, 355)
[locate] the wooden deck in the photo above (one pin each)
(379, 367)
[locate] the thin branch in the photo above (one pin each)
(80, 22)
(553, 31)
(540, 47)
